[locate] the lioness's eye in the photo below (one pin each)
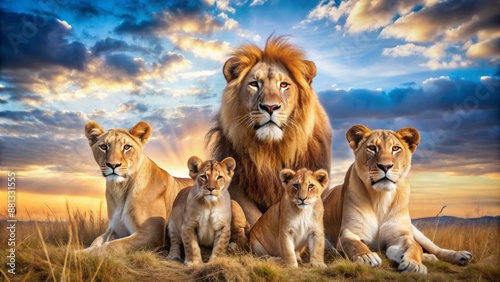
(204, 177)
(219, 177)
(103, 147)
(296, 186)
(284, 84)
(311, 186)
(127, 147)
(254, 84)
(372, 148)
(396, 148)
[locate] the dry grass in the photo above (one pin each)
(44, 252)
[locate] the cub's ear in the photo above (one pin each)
(286, 175)
(194, 165)
(309, 71)
(142, 130)
(230, 164)
(411, 136)
(230, 69)
(355, 134)
(92, 131)
(322, 177)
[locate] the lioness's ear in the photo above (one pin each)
(194, 166)
(286, 175)
(230, 164)
(230, 69)
(310, 71)
(411, 136)
(92, 131)
(142, 130)
(322, 177)
(355, 134)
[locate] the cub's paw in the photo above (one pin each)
(429, 258)
(460, 257)
(173, 256)
(408, 265)
(318, 264)
(192, 262)
(372, 259)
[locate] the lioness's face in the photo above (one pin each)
(270, 91)
(304, 187)
(117, 151)
(211, 177)
(383, 157)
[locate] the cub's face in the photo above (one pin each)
(211, 177)
(117, 151)
(270, 95)
(304, 187)
(383, 157)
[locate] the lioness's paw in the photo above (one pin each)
(318, 264)
(460, 257)
(412, 266)
(429, 258)
(371, 259)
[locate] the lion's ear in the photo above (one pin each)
(411, 136)
(322, 177)
(194, 165)
(355, 134)
(92, 131)
(230, 69)
(142, 130)
(230, 164)
(310, 71)
(286, 175)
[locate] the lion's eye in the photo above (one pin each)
(396, 148)
(254, 84)
(127, 147)
(103, 147)
(310, 187)
(372, 148)
(284, 84)
(295, 186)
(203, 177)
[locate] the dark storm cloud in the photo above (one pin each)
(86, 10)
(109, 45)
(457, 119)
(35, 41)
(125, 63)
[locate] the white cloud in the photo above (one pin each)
(213, 49)
(257, 3)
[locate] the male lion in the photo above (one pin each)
(369, 211)
(270, 118)
(296, 221)
(202, 213)
(139, 194)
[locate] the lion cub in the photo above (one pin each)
(201, 215)
(296, 221)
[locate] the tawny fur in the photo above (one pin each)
(279, 74)
(139, 194)
(369, 212)
(296, 222)
(202, 213)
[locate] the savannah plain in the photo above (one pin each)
(44, 251)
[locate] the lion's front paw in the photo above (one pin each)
(372, 259)
(318, 264)
(460, 257)
(408, 265)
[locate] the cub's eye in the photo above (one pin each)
(203, 177)
(396, 148)
(103, 147)
(219, 177)
(127, 147)
(295, 186)
(310, 187)
(254, 84)
(372, 148)
(284, 84)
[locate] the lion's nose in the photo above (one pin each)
(269, 108)
(210, 189)
(113, 166)
(385, 168)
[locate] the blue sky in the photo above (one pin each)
(433, 65)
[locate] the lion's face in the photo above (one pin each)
(211, 177)
(382, 156)
(269, 93)
(304, 187)
(118, 152)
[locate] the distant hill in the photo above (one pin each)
(445, 220)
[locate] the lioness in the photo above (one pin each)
(369, 212)
(139, 194)
(202, 212)
(296, 221)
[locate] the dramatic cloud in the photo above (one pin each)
(109, 45)
(213, 49)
